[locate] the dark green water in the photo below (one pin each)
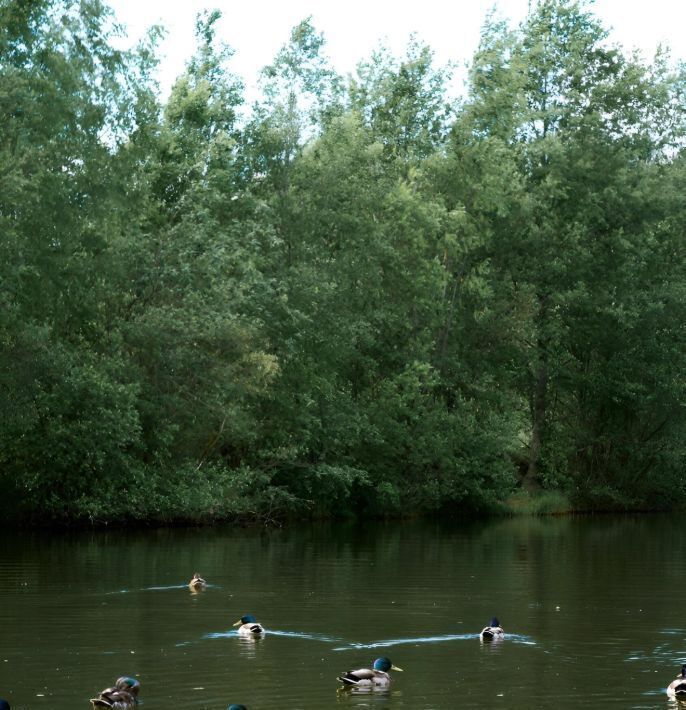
(592, 608)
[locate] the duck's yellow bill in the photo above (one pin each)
(395, 668)
(238, 623)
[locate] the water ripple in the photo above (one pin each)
(516, 638)
(163, 588)
(275, 632)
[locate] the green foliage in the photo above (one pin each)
(351, 300)
(403, 102)
(571, 241)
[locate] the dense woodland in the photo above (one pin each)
(356, 296)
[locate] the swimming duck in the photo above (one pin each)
(4, 705)
(493, 631)
(248, 626)
(677, 688)
(122, 696)
(236, 707)
(197, 583)
(376, 677)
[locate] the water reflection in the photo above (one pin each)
(594, 600)
(368, 698)
(367, 691)
(248, 645)
(494, 645)
(377, 691)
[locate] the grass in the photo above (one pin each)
(541, 503)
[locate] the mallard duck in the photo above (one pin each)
(248, 626)
(122, 696)
(375, 677)
(236, 707)
(493, 631)
(4, 705)
(677, 688)
(197, 583)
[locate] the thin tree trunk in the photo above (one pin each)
(538, 410)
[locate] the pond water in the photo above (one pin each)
(591, 608)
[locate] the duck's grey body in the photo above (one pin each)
(493, 631)
(365, 678)
(251, 629)
(123, 695)
(249, 626)
(375, 677)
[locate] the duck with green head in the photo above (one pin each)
(236, 707)
(375, 677)
(677, 688)
(4, 705)
(123, 695)
(249, 626)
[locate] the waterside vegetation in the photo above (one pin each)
(357, 296)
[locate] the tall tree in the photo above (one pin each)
(582, 130)
(199, 352)
(68, 99)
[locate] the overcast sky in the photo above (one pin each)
(256, 29)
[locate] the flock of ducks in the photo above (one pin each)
(123, 695)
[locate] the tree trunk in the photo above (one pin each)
(530, 481)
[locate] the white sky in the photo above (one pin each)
(256, 29)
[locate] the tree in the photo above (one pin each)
(199, 354)
(403, 102)
(67, 100)
(582, 131)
